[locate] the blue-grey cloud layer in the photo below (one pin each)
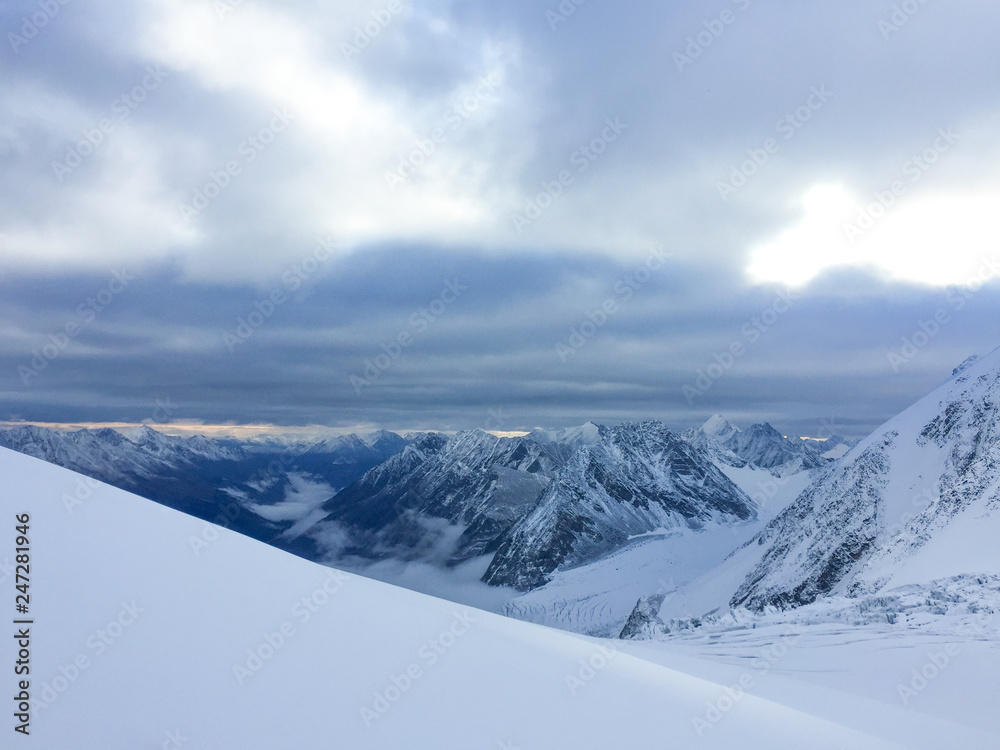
(542, 339)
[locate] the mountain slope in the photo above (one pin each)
(243, 646)
(639, 479)
(905, 506)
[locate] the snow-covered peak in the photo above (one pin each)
(585, 434)
(719, 427)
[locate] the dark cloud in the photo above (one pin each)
(543, 339)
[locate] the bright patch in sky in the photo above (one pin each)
(940, 240)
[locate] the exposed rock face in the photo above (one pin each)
(638, 479)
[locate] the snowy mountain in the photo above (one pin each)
(441, 499)
(764, 446)
(919, 500)
(639, 479)
(110, 455)
(911, 514)
(138, 642)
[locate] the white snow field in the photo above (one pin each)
(152, 629)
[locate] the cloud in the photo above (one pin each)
(374, 92)
(540, 339)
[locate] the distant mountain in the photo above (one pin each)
(571, 437)
(640, 478)
(441, 499)
(759, 445)
(262, 489)
(110, 456)
(719, 428)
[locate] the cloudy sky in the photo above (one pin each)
(434, 214)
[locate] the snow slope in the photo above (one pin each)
(143, 639)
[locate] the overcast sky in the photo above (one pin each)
(442, 215)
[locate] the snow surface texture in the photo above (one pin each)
(141, 638)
